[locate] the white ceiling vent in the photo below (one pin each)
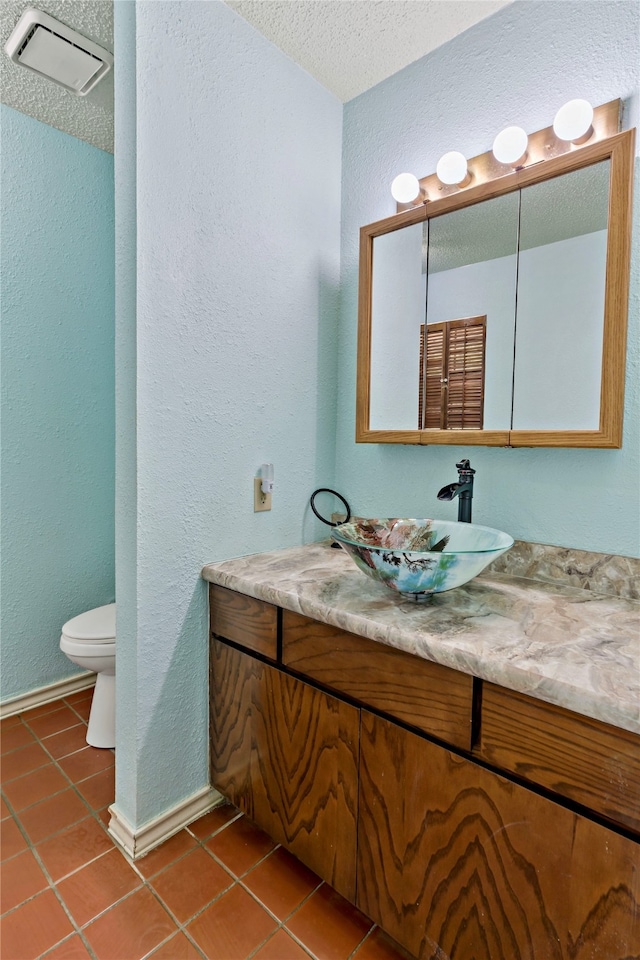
(57, 52)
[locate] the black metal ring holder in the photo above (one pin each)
(329, 523)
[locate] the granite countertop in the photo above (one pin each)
(572, 647)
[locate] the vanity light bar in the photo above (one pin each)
(573, 121)
(576, 123)
(453, 169)
(406, 188)
(510, 147)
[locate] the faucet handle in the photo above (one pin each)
(464, 466)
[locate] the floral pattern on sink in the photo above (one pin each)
(418, 558)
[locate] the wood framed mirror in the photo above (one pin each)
(497, 314)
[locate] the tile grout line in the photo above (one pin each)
(53, 887)
(238, 881)
(60, 769)
(291, 912)
(34, 733)
(181, 927)
(234, 880)
(33, 847)
(91, 813)
(144, 883)
(77, 928)
(60, 943)
(74, 783)
(36, 742)
(352, 955)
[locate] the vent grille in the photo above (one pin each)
(55, 51)
(41, 26)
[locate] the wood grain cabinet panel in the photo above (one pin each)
(604, 895)
(457, 862)
(287, 755)
(454, 861)
(251, 623)
(231, 691)
(425, 695)
(588, 761)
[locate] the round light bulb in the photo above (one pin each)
(573, 121)
(452, 168)
(405, 188)
(510, 146)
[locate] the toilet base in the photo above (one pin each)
(101, 731)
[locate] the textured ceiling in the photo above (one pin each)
(351, 45)
(347, 45)
(90, 118)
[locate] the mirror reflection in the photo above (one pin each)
(470, 316)
(561, 291)
(398, 294)
(491, 317)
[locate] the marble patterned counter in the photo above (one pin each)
(572, 647)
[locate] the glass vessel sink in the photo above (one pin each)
(418, 558)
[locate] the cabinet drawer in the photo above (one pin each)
(588, 761)
(251, 623)
(426, 695)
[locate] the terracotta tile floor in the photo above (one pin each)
(219, 889)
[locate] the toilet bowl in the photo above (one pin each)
(89, 641)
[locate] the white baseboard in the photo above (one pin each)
(53, 691)
(135, 843)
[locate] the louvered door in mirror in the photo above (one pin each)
(452, 363)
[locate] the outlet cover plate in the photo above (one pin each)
(261, 501)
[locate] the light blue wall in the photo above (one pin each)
(237, 154)
(126, 402)
(229, 351)
(57, 393)
(518, 66)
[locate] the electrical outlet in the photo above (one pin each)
(261, 501)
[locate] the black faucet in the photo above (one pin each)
(463, 489)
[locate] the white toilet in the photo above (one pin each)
(89, 640)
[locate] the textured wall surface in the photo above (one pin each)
(238, 219)
(126, 407)
(57, 394)
(89, 118)
(518, 66)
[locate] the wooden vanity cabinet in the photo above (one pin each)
(287, 755)
(426, 695)
(251, 623)
(588, 761)
(448, 850)
(456, 861)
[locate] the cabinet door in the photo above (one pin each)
(287, 755)
(455, 861)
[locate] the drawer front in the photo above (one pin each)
(426, 695)
(588, 761)
(251, 623)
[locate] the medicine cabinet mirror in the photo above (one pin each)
(498, 316)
